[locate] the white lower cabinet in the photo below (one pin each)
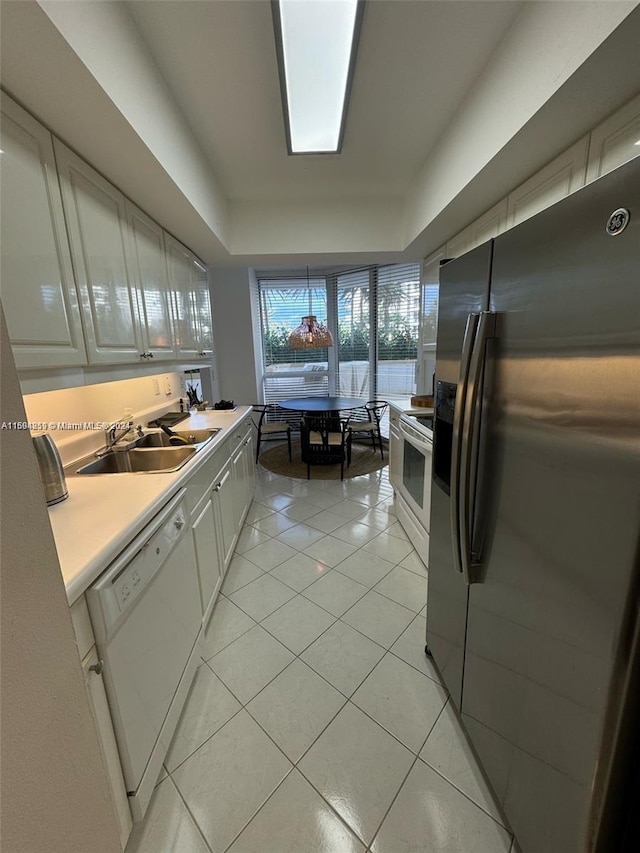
(91, 666)
(208, 557)
(248, 455)
(395, 450)
(92, 669)
(243, 474)
(224, 506)
(221, 492)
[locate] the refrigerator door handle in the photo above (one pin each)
(486, 330)
(456, 444)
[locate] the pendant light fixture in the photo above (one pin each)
(310, 334)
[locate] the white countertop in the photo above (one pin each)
(104, 512)
(403, 405)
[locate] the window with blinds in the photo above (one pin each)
(398, 321)
(355, 321)
(429, 313)
(426, 362)
(373, 314)
(289, 372)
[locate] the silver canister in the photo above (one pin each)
(51, 470)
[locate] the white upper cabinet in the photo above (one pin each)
(558, 179)
(203, 310)
(430, 285)
(149, 272)
(615, 141)
(183, 294)
(97, 225)
(490, 224)
(191, 302)
(38, 290)
(459, 244)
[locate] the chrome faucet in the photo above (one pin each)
(113, 436)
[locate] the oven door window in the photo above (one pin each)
(413, 466)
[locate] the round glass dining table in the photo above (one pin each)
(322, 404)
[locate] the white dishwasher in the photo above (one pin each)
(146, 615)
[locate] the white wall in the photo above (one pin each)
(63, 413)
(108, 43)
(371, 226)
(546, 45)
(85, 71)
(55, 794)
(233, 334)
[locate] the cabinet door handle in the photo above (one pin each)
(97, 667)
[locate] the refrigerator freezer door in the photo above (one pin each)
(546, 627)
(464, 289)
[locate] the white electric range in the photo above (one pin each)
(410, 456)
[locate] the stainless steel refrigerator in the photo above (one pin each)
(534, 570)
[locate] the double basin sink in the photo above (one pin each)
(153, 453)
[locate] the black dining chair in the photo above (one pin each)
(269, 428)
(375, 411)
(325, 441)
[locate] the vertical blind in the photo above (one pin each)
(355, 343)
(290, 372)
(373, 314)
(398, 321)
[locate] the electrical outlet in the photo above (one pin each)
(167, 386)
(156, 386)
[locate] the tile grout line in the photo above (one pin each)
(402, 784)
(189, 812)
(395, 737)
(348, 700)
(278, 786)
(297, 656)
(336, 618)
(460, 791)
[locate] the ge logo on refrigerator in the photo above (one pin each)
(618, 221)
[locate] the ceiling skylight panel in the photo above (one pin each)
(316, 41)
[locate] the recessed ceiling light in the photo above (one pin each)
(316, 43)
(637, 143)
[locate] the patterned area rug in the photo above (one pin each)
(363, 461)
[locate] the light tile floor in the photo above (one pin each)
(316, 724)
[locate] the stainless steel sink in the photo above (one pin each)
(161, 439)
(149, 461)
